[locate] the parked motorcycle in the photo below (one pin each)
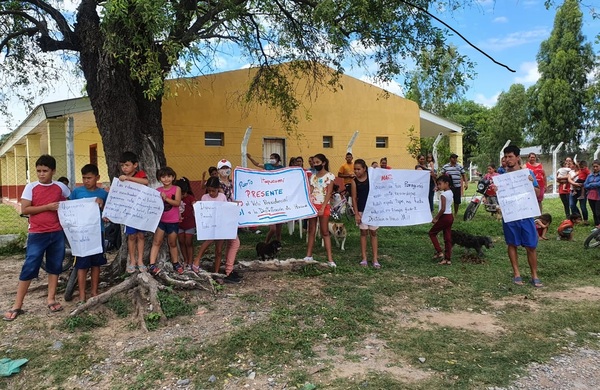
(490, 203)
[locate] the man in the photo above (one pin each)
(346, 172)
(522, 232)
(459, 178)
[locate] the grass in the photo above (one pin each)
(10, 222)
(338, 310)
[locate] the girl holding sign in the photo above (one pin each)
(360, 192)
(321, 188)
(443, 221)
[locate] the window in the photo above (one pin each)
(327, 141)
(214, 139)
(381, 142)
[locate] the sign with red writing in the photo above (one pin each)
(269, 197)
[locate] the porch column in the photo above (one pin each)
(33, 149)
(57, 144)
(10, 175)
(20, 153)
(3, 177)
(456, 145)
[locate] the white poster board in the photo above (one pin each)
(270, 197)
(516, 195)
(134, 205)
(216, 220)
(80, 220)
(397, 197)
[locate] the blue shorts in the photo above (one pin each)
(566, 232)
(521, 233)
(130, 230)
(169, 228)
(191, 231)
(53, 245)
(86, 262)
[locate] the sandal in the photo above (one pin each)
(142, 268)
(445, 262)
(364, 263)
(12, 314)
(438, 255)
(130, 268)
(55, 307)
(517, 280)
(376, 265)
(195, 268)
(536, 283)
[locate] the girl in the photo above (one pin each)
(360, 192)
(169, 221)
(592, 187)
(187, 222)
(443, 222)
(542, 224)
(321, 188)
(424, 166)
(213, 194)
(431, 162)
(212, 172)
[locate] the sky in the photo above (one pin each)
(510, 31)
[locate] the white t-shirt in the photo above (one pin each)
(449, 200)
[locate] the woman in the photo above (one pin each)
(564, 188)
(423, 166)
(592, 186)
(540, 175)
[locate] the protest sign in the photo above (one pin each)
(134, 205)
(80, 220)
(270, 197)
(397, 197)
(516, 195)
(216, 220)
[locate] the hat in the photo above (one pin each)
(223, 163)
(454, 155)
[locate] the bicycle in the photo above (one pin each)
(593, 240)
(343, 208)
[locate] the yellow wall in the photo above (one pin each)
(83, 141)
(210, 103)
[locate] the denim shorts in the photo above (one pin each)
(131, 230)
(191, 231)
(521, 233)
(52, 245)
(169, 228)
(86, 262)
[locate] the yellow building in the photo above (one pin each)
(204, 122)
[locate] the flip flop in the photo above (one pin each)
(55, 307)
(536, 283)
(9, 314)
(364, 263)
(517, 280)
(376, 265)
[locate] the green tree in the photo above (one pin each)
(474, 118)
(559, 100)
(507, 121)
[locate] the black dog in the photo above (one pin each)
(467, 240)
(264, 250)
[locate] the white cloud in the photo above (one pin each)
(516, 39)
(530, 71)
(390, 86)
(488, 102)
(500, 19)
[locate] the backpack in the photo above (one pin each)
(112, 237)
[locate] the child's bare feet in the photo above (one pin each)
(544, 238)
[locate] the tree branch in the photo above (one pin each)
(457, 33)
(5, 43)
(61, 22)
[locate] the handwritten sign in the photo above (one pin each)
(216, 220)
(134, 205)
(397, 197)
(270, 197)
(516, 195)
(80, 220)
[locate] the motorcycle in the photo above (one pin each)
(490, 202)
(593, 240)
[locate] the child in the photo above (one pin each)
(135, 237)
(541, 224)
(321, 189)
(212, 172)
(63, 180)
(443, 221)
(40, 201)
(360, 192)
(581, 176)
(187, 222)
(213, 194)
(566, 227)
(90, 176)
(169, 221)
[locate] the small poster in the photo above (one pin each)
(516, 195)
(134, 205)
(216, 220)
(80, 220)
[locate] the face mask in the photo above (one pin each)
(318, 167)
(272, 161)
(225, 172)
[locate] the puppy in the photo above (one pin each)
(337, 230)
(268, 250)
(467, 241)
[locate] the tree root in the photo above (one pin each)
(271, 265)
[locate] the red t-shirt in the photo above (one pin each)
(42, 194)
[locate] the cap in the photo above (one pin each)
(223, 163)
(454, 155)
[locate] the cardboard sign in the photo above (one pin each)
(80, 220)
(134, 205)
(516, 195)
(216, 220)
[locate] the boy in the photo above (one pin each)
(90, 189)
(565, 230)
(40, 201)
(135, 238)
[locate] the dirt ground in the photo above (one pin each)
(220, 318)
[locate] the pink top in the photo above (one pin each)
(171, 213)
(42, 194)
(220, 198)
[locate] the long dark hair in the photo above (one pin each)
(322, 157)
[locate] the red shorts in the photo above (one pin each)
(326, 212)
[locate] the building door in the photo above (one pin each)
(274, 145)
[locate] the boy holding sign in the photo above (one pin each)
(90, 176)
